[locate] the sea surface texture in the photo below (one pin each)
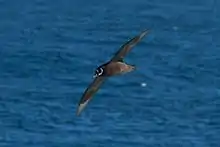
(49, 50)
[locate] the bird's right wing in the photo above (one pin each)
(89, 92)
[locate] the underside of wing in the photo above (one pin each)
(124, 49)
(89, 92)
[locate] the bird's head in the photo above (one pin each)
(98, 72)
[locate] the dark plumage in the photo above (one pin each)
(115, 66)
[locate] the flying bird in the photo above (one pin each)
(115, 66)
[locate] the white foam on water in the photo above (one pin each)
(143, 84)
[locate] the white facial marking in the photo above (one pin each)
(98, 72)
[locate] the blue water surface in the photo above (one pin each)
(50, 49)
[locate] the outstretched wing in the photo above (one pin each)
(124, 49)
(89, 92)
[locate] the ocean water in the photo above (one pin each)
(50, 49)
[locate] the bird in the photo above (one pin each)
(115, 66)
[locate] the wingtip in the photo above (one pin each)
(146, 31)
(78, 112)
(81, 107)
(143, 33)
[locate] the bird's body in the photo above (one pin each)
(115, 66)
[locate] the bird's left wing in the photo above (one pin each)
(89, 92)
(124, 49)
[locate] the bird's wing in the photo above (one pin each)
(124, 49)
(89, 92)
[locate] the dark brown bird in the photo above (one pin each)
(115, 66)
